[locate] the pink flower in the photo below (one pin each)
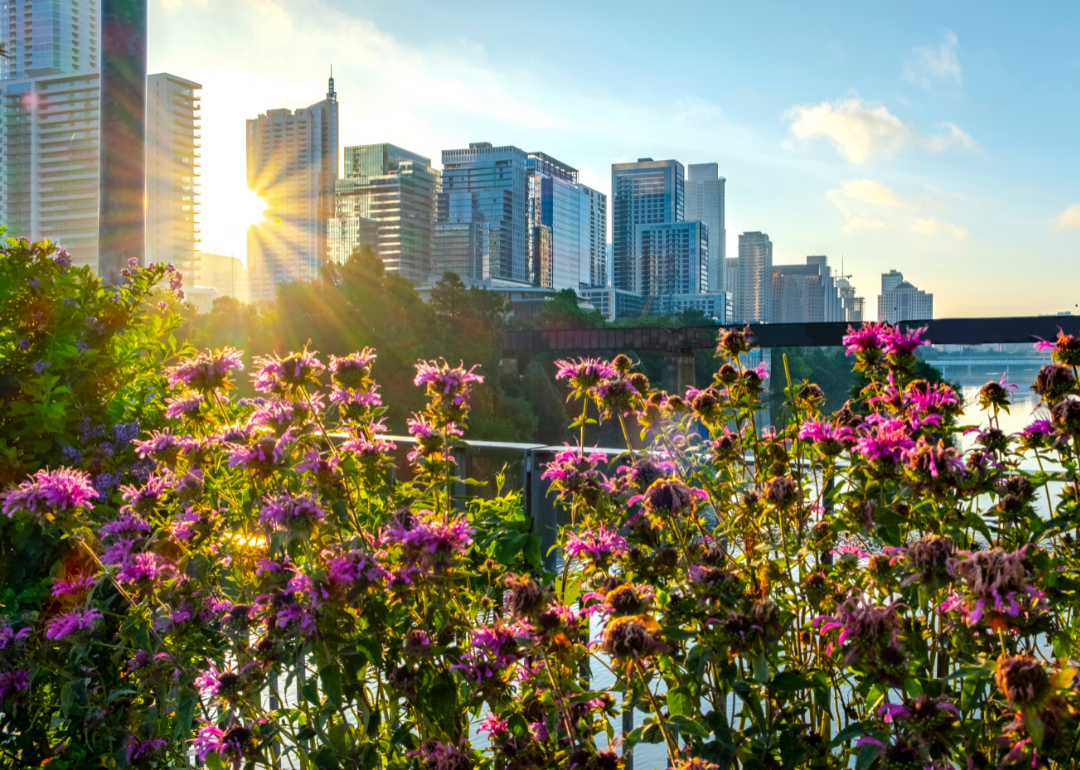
(71, 623)
(50, 491)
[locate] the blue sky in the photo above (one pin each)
(936, 138)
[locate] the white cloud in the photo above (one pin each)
(1069, 218)
(866, 204)
(862, 131)
(931, 64)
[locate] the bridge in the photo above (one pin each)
(678, 345)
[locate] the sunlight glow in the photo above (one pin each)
(248, 209)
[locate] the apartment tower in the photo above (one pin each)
(705, 202)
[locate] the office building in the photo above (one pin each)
(288, 162)
(462, 237)
(173, 167)
(567, 226)
(805, 293)
(613, 303)
(647, 192)
(386, 201)
(674, 259)
(853, 305)
(499, 178)
(49, 166)
(705, 202)
(226, 274)
(901, 301)
(753, 302)
(731, 279)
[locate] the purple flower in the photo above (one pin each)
(898, 342)
(147, 496)
(126, 432)
(137, 749)
(427, 544)
(206, 372)
(42, 365)
(573, 472)
(871, 634)
(827, 438)
(288, 512)
(222, 684)
(72, 455)
(282, 375)
(71, 623)
(143, 568)
(264, 456)
(8, 636)
(996, 584)
(493, 726)
(352, 567)
(117, 551)
(76, 587)
(50, 491)
(599, 544)
(280, 415)
(162, 446)
(187, 404)
(128, 525)
(585, 373)
(887, 440)
(12, 682)
(353, 370)
(231, 744)
(866, 340)
(490, 652)
(62, 259)
(368, 449)
(447, 388)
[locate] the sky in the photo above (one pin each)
(936, 138)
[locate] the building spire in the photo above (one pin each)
(330, 94)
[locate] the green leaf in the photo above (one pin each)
(213, 761)
(310, 691)
(66, 698)
(761, 669)
(330, 676)
(854, 730)
(867, 755)
(789, 681)
(185, 715)
(680, 702)
(686, 726)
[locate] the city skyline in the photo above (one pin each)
(885, 138)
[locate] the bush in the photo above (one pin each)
(847, 590)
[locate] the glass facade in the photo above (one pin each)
(674, 258)
(50, 37)
(643, 193)
(498, 176)
(753, 302)
(394, 191)
(705, 202)
(461, 237)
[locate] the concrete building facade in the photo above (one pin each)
(753, 300)
(705, 190)
(901, 301)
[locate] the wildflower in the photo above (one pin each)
(186, 405)
(870, 633)
(429, 439)
(866, 342)
(264, 456)
(76, 587)
(162, 446)
(232, 744)
(933, 466)
(1037, 434)
(574, 474)
(735, 342)
(706, 405)
(1053, 382)
(1066, 349)
(143, 751)
(12, 682)
(223, 684)
(352, 371)
(491, 651)
(585, 373)
(448, 388)
(1024, 682)
(352, 567)
(443, 756)
(524, 597)
(599, 545)
(885, 443)
(427, 543)
(128, 525)
(283, 375)
(325, 470)
(924, 718)
(671, 496)
(50, 491)
(725, 447)
(143, 569)
(927, 560)
(41, 366)
(696, 763)
(493, 726)
(898, 343)
(826, 439)
(144, 498)
(289, 512)
(72, 623)
(207, 372)
(615, 395)
(996, 583)
(1066, 416)
(372, 451)
(632, 636)
(781, 491)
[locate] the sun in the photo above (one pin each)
(248, 209)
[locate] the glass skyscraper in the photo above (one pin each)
(705, 202)
(389, 192)
(647, 192)
(753, 302)
(499, 178)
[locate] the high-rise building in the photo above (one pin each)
(753, 302)
(226, 274)
(172, 173)
(901, 301)
(387, 201)
(674, 258)
(461, 237)
(805, 293)
(49, 166)
(731, 282)
(287, 165)
(567, 226)
(499, 178)
(853, 306)
(705, 202)
(50, 37)
(648, 192)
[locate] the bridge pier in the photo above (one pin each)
(679, 371)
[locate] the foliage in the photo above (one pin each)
(844, 591)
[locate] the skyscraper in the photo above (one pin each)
(49, 169)
(172, 173)
(705, 202)
(805, 293)
(674, 259)
(753, 303)
(389, 192)
(901, 301)
(498, 177)
(643, 193)
(287, 165)
(567, 226)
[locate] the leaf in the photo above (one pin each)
(66, 698)
(789, 681)
(761, 669)
(854, 730)
(680, 702)
(867, 754)
(330, 676)
(213, 761)
(310, 691)
(185, 715)
(687, 726)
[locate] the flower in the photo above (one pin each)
(427, 543)
(232, 744)
(584, 373)
(491, 651)
(206, 372)
(50, 491)
(1066, 349)
(734, 342)
(288, 511)
(72, 623)
(41, 366)
(75, 587)
(599, 544)
(897, 342)
(671, 496)
(443, 756)
(1024, 681)
(264, 456)
(886, 442)
(353, 370)
(447, 388)
(632, 636)
(187, 404)
(144, 498)
(143, 568)
(282, 375)
(574, 473)
(162, 446)
(1053, 382)
(280, 415)
(12, 682)
(223, 684)
(871, 634)
(143, 750)
(352, 567)
(826, 438)
(865, 341)
(996, 583)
